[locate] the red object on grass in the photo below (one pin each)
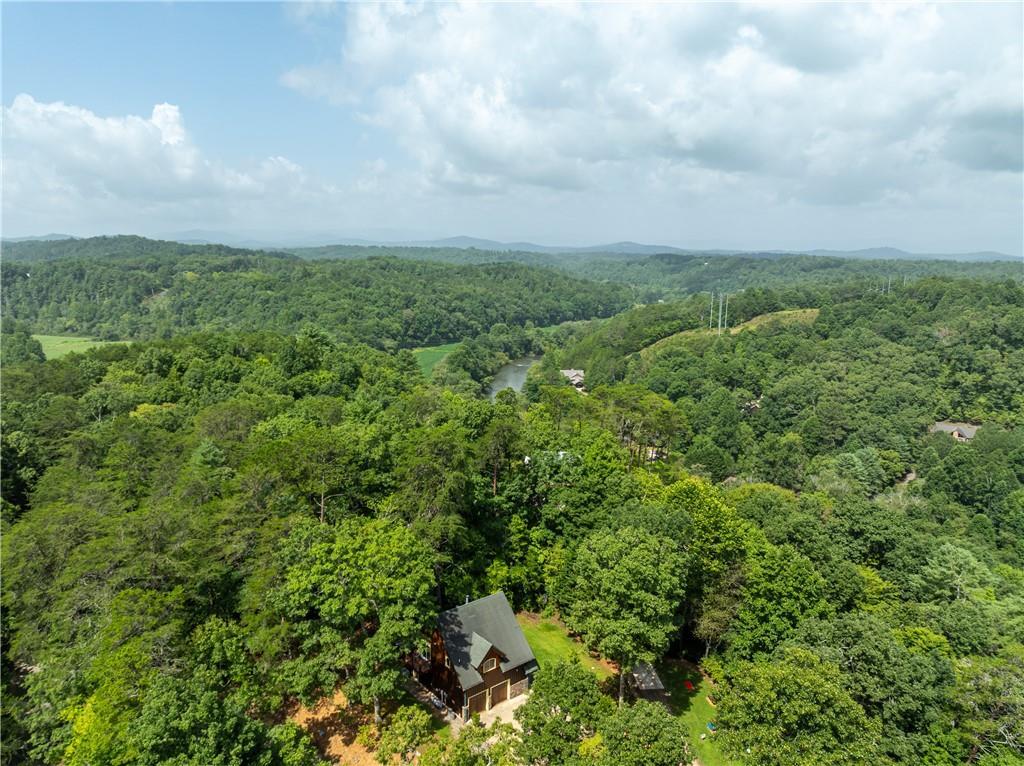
(688, 685)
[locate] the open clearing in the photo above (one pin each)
(56, 346)
(551, 642)
(789, 316)
(693, 709)
(429, 356)
(333, 723)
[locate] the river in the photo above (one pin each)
(512, 375)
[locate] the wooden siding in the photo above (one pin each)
(441, 678)
(496, 676)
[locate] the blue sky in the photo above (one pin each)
(220, 63)
(747, 126)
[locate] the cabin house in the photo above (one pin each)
(575, 378)
(478, 656)
(961, 432)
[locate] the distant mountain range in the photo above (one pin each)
(206, 237)
(40, 238)
(895, 254)
(638, 248)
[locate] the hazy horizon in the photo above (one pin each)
(275, 238)
(745, 127)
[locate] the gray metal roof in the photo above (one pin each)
(646, 678)
(470, 630)
(949, 426)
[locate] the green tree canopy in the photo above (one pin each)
(794, 711)
(626, 590)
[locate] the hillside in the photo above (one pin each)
(127, 288)
(665, 275)
(113, 247)
(784, 317)
(193, 526)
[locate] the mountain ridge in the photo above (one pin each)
(465, 242)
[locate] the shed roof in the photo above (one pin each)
(470, 631)
(646, 678)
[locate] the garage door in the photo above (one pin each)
(499, 693)
(478, 703)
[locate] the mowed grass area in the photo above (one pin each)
(429, 356)
(694, 710)
(786, 317)
(56, 346)
(551, 642)
(789, 316)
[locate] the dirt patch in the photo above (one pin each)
(333, 724)
(533, 618)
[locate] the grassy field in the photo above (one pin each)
(56, 346)
(429, 356)
(694, 710)
(789, 316)
(551, 642)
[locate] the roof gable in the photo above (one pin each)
(478, 649)
(471, 630)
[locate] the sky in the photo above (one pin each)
(710, 125)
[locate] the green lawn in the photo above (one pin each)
(694, 710)
(56, 346)
(429, 357)
(551, 642)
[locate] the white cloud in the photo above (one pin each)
(825, 103)
(699, 124)
(65, 164)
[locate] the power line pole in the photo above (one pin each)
(719, 313)
(711, 313)
(727, 313)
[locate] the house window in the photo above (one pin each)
(489, 665)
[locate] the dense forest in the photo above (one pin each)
(128, 287)
(134, 288)
(665, 275)
(267, 501)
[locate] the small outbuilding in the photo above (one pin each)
(646, 683)
(646, 678)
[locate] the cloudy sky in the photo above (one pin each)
(697, 125)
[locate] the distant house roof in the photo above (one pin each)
(967, 430)
(575, 376)
(470, 631)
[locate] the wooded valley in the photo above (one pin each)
(263, 501)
